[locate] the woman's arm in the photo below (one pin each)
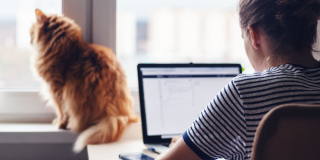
(180, 150)
(174, 140)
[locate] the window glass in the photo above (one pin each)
(16, 18)
(178, 31)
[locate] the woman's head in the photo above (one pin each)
(289, 25)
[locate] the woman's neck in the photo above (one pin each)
(304, 59)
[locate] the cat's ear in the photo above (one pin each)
(40, 16)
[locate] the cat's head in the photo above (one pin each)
(53, 31)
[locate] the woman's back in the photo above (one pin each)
(284, 84)
(227, 126)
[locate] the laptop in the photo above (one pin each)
(172, 96)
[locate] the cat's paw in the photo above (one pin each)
(60, 124)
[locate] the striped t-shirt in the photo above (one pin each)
(226, 127)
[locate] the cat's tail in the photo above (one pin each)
(107, 130)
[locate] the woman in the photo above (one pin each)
(279, 36)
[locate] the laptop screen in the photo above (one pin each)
(174, 97)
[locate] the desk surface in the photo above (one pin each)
(131, 141)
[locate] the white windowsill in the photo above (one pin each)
(37, 142)
(34, 133)
(27, 106)
(47, 133)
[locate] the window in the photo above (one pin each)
(19, 89)
(157, 31)
(166, 31)
(16, 18)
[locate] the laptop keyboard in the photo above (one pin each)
(166, 144)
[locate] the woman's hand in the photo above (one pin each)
(174, 140)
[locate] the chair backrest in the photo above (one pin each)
(288, 132)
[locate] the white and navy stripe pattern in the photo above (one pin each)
(226, 127)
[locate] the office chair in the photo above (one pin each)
(288, 132)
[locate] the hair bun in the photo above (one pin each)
(290, 11)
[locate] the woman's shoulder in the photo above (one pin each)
(286, 71)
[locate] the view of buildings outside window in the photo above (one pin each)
(157, 31)
(16, 18)
(166, 31)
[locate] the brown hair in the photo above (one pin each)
(290, 24)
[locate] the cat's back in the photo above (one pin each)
(94, 72)
(105, 57)
(98, 48)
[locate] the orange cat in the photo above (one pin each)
(86, 83)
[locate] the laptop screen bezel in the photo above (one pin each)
(157, 139)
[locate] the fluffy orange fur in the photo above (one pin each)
(86, 83)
